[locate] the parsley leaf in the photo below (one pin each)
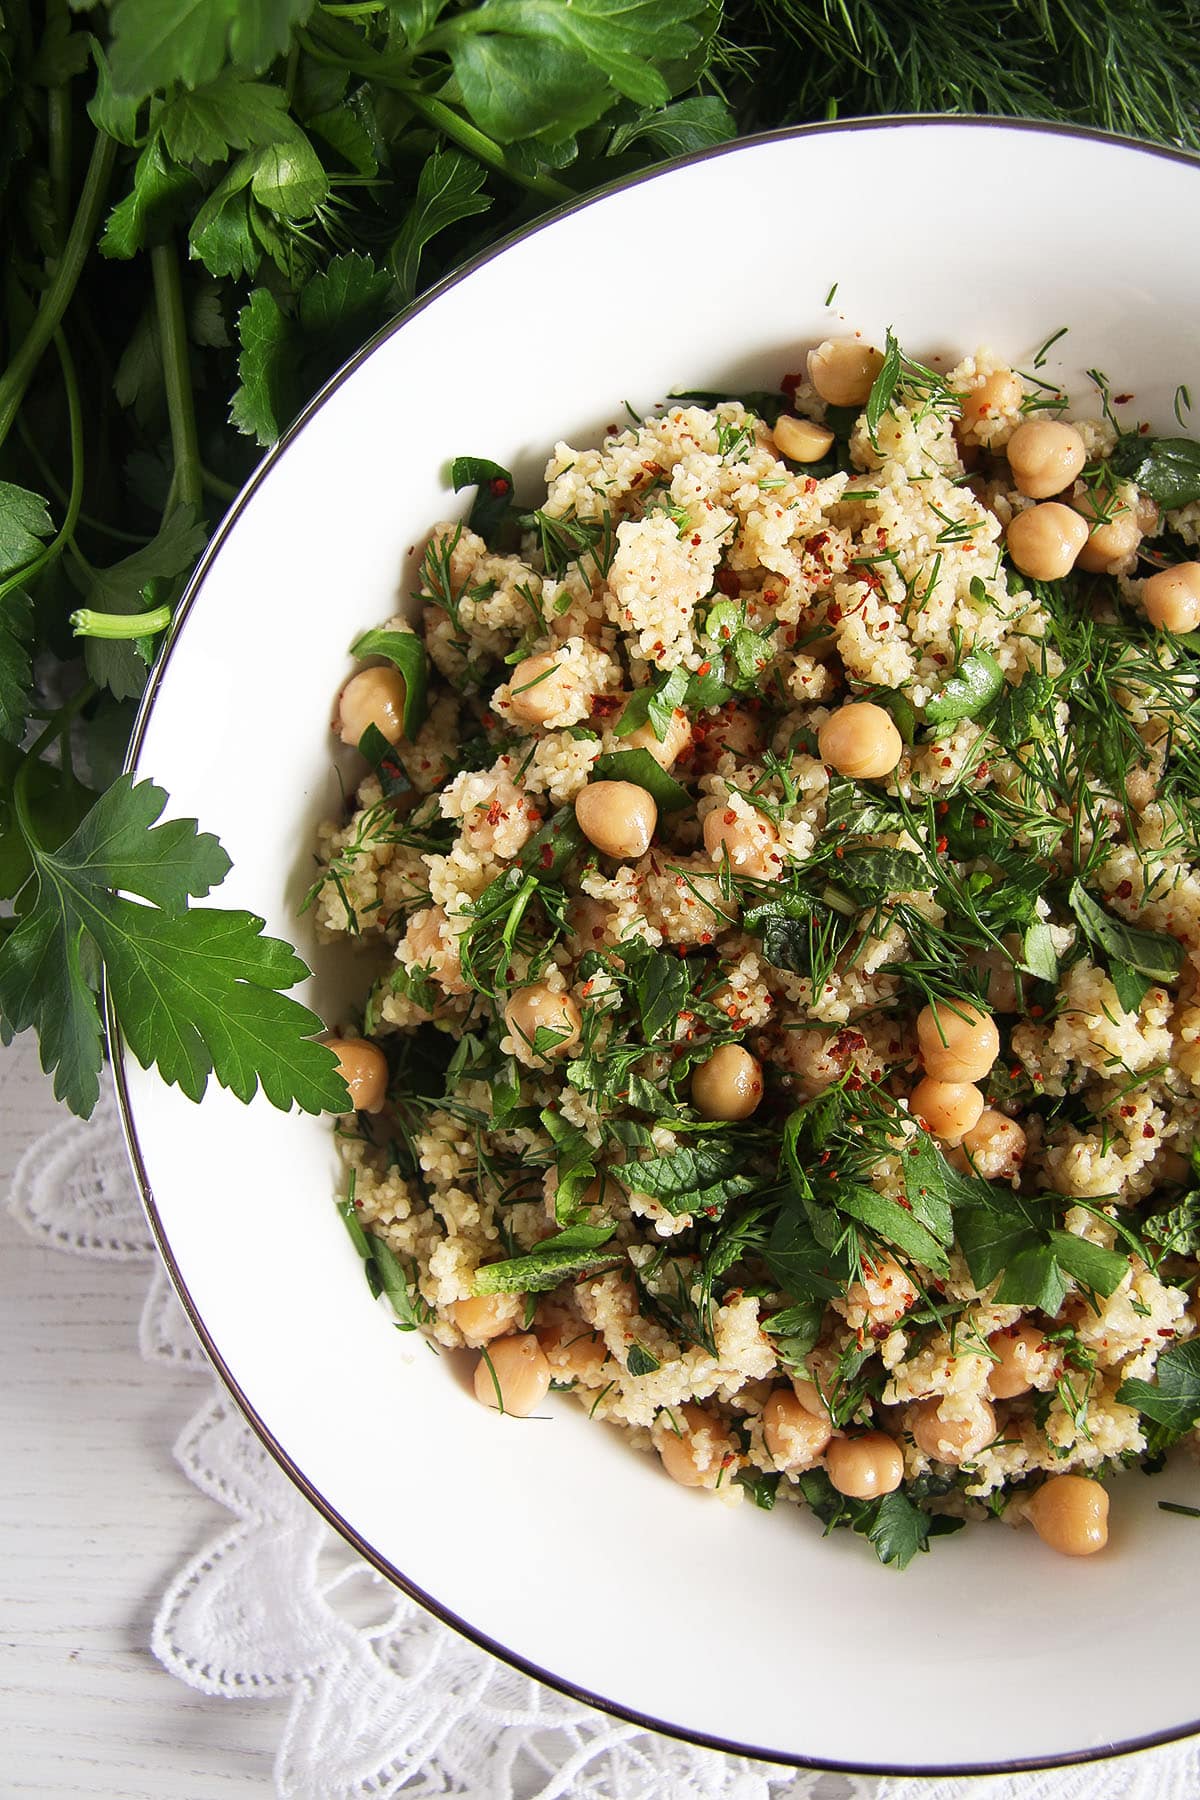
(1173, 1401)
(448, 189)
(406, 652)
(157, 43)
(1177, 1228)
(195, 992)
(639, 767)
(895, 1528)
(1168, 469)
(16, 670)
(492, 506)
(654, 705)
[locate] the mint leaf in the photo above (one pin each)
(662, 988)
(1176, 1229)
(448, 189)
(157, 43)
(405, 651)
(974, 684)
(195, 991)
(701, 1177)
(571, 1252)
(803, 1267)
(1173, 1401)
(639, 767)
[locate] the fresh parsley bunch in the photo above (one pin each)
(206, 206)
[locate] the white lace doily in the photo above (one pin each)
(385, 1701)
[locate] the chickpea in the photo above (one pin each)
(949, 1108)
(999, 976)
(1045, 457)
(535, 1006)
(750, 845)
(957, 1041)
(1044, 541)
(426, 948)
(605, 1191)
(1070, 1514)
(363, 1068)
(950, 1440)
(734, 731)
(589, 919)
(372, 697)
(1171, 598)
(809, 1395)
(539, 688)
(883, 1295)
(802, 440)
(843, 370)
(860, 740)
(667, 753)
(729, 1085)
(486, 1316)
(1113, 533)
(1000, 392)
(695, 1450)
(1014, 1348)
(618, 817)
(794, 1436)
(995, 1145)
(866, 1466)
(574, 1351)
(513, 1376)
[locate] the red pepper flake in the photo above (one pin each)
(704, 669)
(943, 844)
(696, 538)
(1148, 1131)
(1122, 399)
(546, 857)
(498, 485)
(789, 384)
(943, 807)
(1124, 891)
(1035, 1012)
(980, 822)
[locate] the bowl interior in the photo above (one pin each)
(547, 1537)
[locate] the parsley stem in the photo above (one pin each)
(57, 297)
(75, 499)
(59, 722)
(477, 144)
(86, 623)
(187, 486)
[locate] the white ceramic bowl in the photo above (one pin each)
(550, 1542)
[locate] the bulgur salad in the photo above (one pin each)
(777, 873)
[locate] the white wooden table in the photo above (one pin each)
(94, 1519)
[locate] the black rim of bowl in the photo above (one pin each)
(616, 1709)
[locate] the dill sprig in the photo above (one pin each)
(1125, 65)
